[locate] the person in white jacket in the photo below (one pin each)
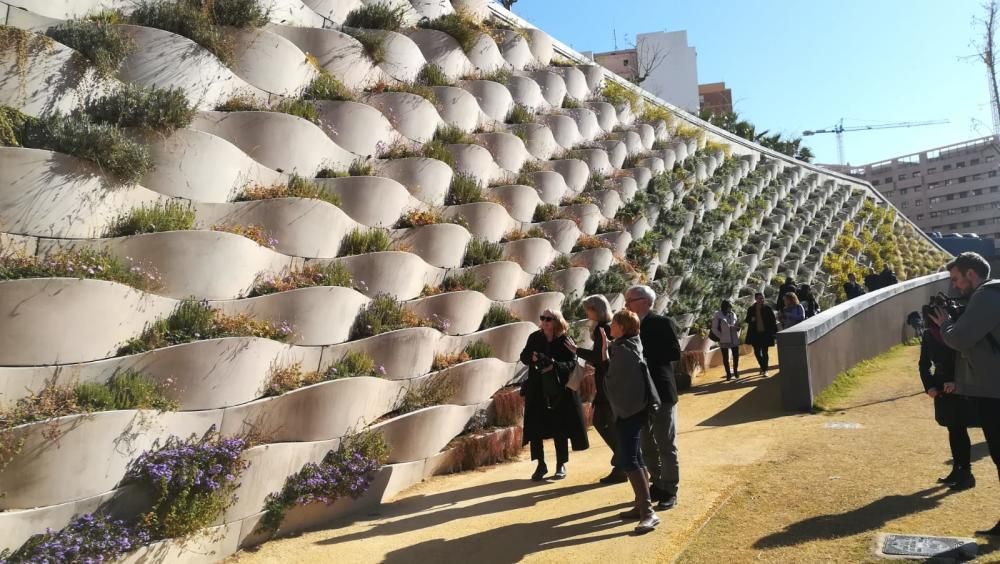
(726, 326)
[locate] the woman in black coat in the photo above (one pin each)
(937, 372)
(598, 311)
(761, 328)
(551, 410)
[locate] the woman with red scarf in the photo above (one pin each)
(937, 371)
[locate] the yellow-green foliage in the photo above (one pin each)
(652, 113)
(618, 95)
(714, 146)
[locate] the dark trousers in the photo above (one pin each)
(604, 422)
(562, 450)
(629, 448)
(989, 416)
(659, 442)
(735, 351)
(961, 446)
(760, 352)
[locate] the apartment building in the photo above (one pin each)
(675, 76)
(950, 189)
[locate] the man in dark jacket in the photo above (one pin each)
(887, 277)
(872, 281)
(976, 336)
(659, 439)
(761, 329)
(852, 288)
(788, 287)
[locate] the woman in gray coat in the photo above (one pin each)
(631, 393)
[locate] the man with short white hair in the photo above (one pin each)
(660, 348)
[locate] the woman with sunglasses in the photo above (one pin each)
(551, 410)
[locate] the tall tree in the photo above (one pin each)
(507, 3)
(731, 122)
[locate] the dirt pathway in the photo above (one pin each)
(757, 485)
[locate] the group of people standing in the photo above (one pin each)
(635, 407)
(873, 281)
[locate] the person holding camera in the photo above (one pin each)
(551, 410)
(598, 312)
(975, 334)
(952, 411)
(631, 394)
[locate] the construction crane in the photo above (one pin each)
(839, 129)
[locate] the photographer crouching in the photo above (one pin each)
(975, 334)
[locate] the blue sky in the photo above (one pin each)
(797, 65)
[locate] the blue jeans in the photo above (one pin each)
(628, 457)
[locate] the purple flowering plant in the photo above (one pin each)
(192, 481)
(88, 538)
(345, 472)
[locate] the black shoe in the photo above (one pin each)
(668, 502)
(963, 482)
(992, 532)
(615, 477)
(655, 493)
(560, 472)
(950, 478)
(540, 472)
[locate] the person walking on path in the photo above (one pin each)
(631, 394)
(659, 436)
(761, 328)
(955, 412)
(793, 312)
(788, 287)
(976, 336)
(551, 410)
(598, 311)
(872, 280)
(808, 300)
(851, 288)
(726, 326)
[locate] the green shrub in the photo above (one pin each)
(296, 187)
(385, 313)
(436, 390)
(96, 265)
(354, 364)
(361, 167)
(497, 316)
(562, 262)
(193, 320)
(241, 103)
(363, 240)
(464, 30)
(572, 308)
(612, 281)
(435, 149)
(425, 92)
(501, 76)
(480, 251)
(161, 216)
(235, 13)
(451, 134)
(381, 15)
(103, 44)
(570, 103)
(312, 274)
(432, 75)
(618, 95)
(326, 87)
(299, 108)
(372, 43)
(544, 282)
(545, 212)
(520, 114)
(127, 389)
(11, 126)
(104, 145)
(478, 349)
(456, 283)
(464, 189)
(144, 107)
(559, 61)
(184, 18)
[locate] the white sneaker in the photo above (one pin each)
(763, 373)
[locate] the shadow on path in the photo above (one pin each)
(856, 521)
(511, 543)
(761, 403)
(433, 510)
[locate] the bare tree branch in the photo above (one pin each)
(648, 57)
(987, 54)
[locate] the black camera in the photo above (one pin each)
(953, 306)
(542, 362)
